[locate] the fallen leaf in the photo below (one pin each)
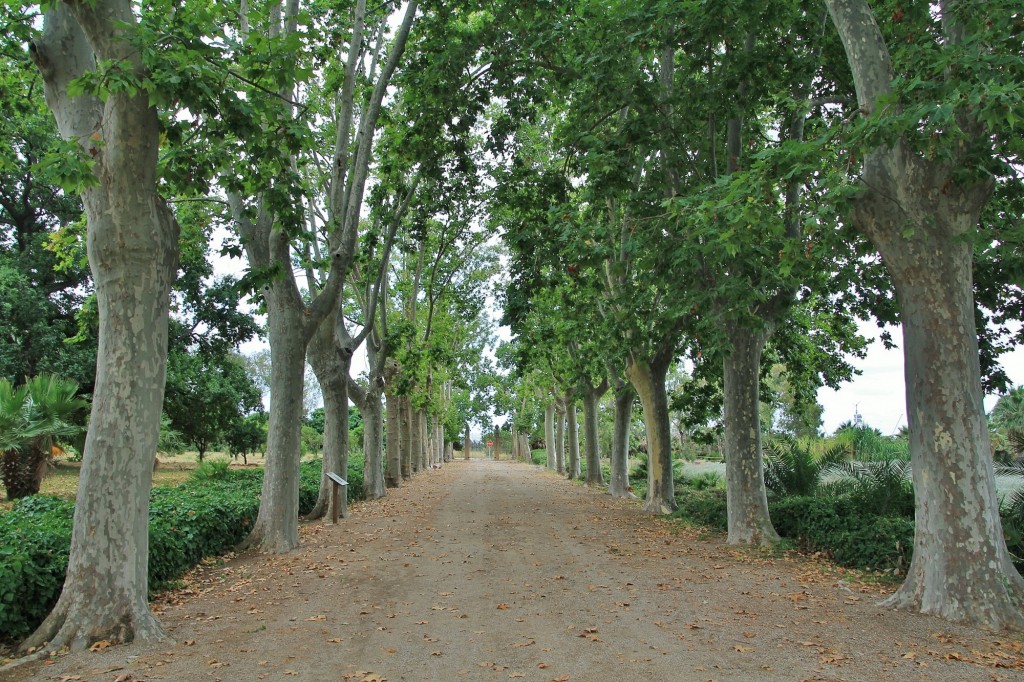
(743, 649)
(526, 643)
(502, 606)
(320, 617)
(100, 645)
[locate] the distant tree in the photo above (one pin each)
(206, 395)
(247, 436)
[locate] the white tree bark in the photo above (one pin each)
(919, 215)
(132, 243)
(749, 522)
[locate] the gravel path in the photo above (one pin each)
(496, 570)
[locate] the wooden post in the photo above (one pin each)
(340, 485)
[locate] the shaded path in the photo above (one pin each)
(495, 571)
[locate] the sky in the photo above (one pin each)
(878, 393)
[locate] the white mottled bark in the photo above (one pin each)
(132, 243)
(920, 216)
(749, 522)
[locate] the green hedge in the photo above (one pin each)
(833, 525)
(204, 517)
(837, 526)
(34, 540)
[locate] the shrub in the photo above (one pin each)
(34, 540)
(705, 480)
(212, 470)
(539, 456)
(791, 468)
(840, 527)
(203, 517)
(705, 507)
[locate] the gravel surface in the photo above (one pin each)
(496, 570)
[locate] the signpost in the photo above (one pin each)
(339, 483)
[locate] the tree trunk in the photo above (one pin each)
(549, 434)
(497, 443)
(559, 438)
(132, 242)
(334, 388)
(405, 426)
(373, 451)
(416, 439)
(649, 381)
(920, 215)
(467, 446)
(276, 529)
(590, 437)
(393, 472)
(424, 444)
(749, 522)
(618, 486)
(573, 428)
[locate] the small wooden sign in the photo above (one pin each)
(339, 484)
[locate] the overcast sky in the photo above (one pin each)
(878, 393)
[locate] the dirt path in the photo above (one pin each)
(495, 571)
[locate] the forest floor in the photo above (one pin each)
(492, 571)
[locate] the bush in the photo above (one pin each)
(840, 527)
(539, 456)
(705, 507)
(203, 517)
(34, 540)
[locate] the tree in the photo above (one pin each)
(41, 290)
(32, 417)
(934, 132)
(133, 253)
(207, 394)
(247, 436)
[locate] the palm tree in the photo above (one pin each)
(32, 416)
(1008, 419)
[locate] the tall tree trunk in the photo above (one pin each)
(424, 444)
(416, 439)
(591, 396)
(132, 242)
(559, 438)
(276, 529)
(618, 486)
(749, 522)
(393, 471)
(573, 428)
(333, 378)
(405, 426)
(373, 451)
(920, 215)
(649, 381)
(549, 434)
(468, 444)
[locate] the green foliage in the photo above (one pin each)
(32, 417)
(34, 540)
(791, 468)
(206, 516)
(312, 441)
(706, 480)
(881, 486)
(840, 527)
(207, 394)
(704, 507)
(212, 470)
